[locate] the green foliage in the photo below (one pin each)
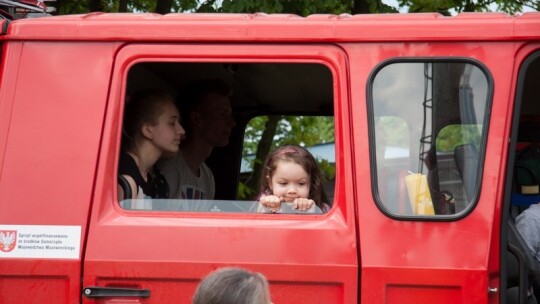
(71, 7)
(307, 7)
(298, 130)
(252, 133)
(302, 130)
(454, 135)
(328, 170)
(245, 192)
(305, 130)
(209, 6)
(141, 6)
(459, 6)
(299, 7)
(392, 131)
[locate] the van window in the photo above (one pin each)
(272, 104)
(429, 129)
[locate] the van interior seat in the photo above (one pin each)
(526, 179)
(522, 265)
(466, 159)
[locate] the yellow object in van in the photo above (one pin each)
(419, 195)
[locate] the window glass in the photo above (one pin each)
(428, 129)
(315, 133)
(259, 107)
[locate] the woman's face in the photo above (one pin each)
(290, 181)
(167, 132)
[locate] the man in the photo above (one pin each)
(206, 114)
(528, 226)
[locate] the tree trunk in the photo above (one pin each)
(95, 6)
(361, 7)
(122, 6)
(164, 6)
(59, 5)
(263, 148)
(469, 6)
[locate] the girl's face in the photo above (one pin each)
(166, 134)
(289, 181)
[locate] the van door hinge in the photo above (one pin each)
(492, 290)
(108, 292)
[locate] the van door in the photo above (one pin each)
(519, 259)
(429, 225)
(160, 256)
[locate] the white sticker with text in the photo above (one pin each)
(37, 241)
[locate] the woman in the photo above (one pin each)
(151, 129)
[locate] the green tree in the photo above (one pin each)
(299, 7)
(454, 135)
(265, 133)
(446, 6)
(64, 7)
(305, 7)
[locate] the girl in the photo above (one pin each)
(291, 174)
(151, 128)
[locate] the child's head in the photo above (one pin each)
(151, 115)
(233, 286)
(293, 168)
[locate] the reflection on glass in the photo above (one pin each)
(220, 206)
(428, 130)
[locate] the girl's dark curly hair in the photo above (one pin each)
(302, 157)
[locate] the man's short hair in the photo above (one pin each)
(192, 95)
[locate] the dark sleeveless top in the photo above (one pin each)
(155, 187)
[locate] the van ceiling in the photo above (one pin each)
(260, 87)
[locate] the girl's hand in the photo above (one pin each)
(271, 202)
(303, 204)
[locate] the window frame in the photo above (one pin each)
(306, 57)
(481, 150)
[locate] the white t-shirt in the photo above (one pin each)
(183, 184)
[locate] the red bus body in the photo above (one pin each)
(62, 84)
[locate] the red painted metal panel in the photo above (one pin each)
(53, 103)
(39, 281)
(306, 259)
(311, 259)
(54, 118)
(432, 258)
(262, 27)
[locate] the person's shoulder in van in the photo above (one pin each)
(207, 117)
(528, 225)
(183, 183)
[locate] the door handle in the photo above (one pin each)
(107, 292)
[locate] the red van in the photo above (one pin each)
(417, 118)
